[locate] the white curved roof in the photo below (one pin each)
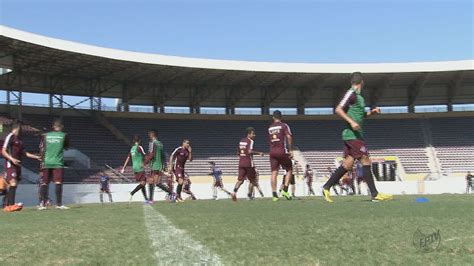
(187, 62)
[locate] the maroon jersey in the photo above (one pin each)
(180, 155)
(277, 137)
(14, 146)
(245, 152)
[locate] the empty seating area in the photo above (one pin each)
(454, 143)
(216, 140)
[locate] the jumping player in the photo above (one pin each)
(177, 161)
(104, 182)
(246, 166)
(216, 174)
(281, 152)
(352, 110)
(157, 159)
(13, 151)
(52, 147)
(308, 175)
(137, 156)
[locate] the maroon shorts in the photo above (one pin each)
(154, 173)
(178, 173)
(218, 184)
(106, 190)
(247, 173)
(140, 177)
(13, 172)
(355, 148)
(52, 174)
(283, 160)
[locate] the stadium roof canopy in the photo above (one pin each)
(41, 64)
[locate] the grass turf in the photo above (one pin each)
(305, 232)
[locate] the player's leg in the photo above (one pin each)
(214, 191)
(369, 179)
(286, 163)
(110, 195)
(337, 175)
(58, 176)
(179, 173)
(151, 187)
(252, 177)
(243, 173)
(44, 188)
(275, 166)
(101, 196)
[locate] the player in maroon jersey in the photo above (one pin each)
(178, 159)
(246, 165)
(308, 175)
(13, 151)
(281, 152)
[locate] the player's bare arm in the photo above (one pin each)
(33, 156)
(341, 113)
(289, 140)
(373, 111)
(190, 158)
(7, 156)
(125, 164)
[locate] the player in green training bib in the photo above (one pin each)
(352, 110)
(52, 148)
(137, 156)
(156, 158)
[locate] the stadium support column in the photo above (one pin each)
(125, 98)
(453, 87)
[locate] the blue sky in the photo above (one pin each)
(290, 31)
(319, 31)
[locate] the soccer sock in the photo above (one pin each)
(44, 194)
(275, 195)
(59, 194)
(164, 188)
(179, 188)
(136, 189)
(110, 197)
(11, 195)
(335, 177)
(285, 188)
(101, 197)
(144, 192)
(151, 187)
(367, 173)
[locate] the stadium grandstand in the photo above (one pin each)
(425, 128)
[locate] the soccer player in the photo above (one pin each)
(308, 175)
(178, 159)
(157, 159)
(469, 181)
(137, 156)
(187, 186)
(13, 151)
(104, 182)
(281, 152)
(52, 148)
(246, 166)
(352, 110)
(216, 174)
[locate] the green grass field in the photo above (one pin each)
(305, 232)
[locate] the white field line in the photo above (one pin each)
(173, 246)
